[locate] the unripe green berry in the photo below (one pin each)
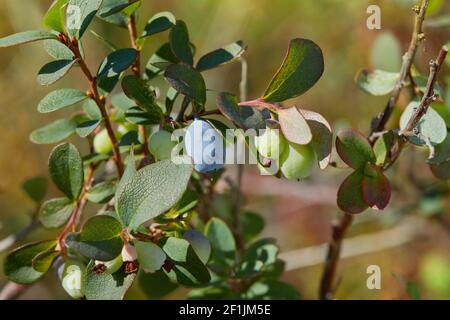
(297, 161)
(271, 143)
(73, 278)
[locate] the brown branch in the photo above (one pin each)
(9, 241)
(137, 71)
(379, 123)
(99, 100)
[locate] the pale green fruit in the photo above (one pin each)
(102, 142)
(434, 273)
(73, 278)
(113, 265)
(297, 161)
(160, 145)
(271, 143)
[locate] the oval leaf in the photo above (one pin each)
(44, 260)
(150, 256)
(322, 136)
(431, 125)
(294, 126)
(376, 187)
(55, 132)
(180, 44)
(160, 22)
(350, 197)
(110, 7)
(60, 99)
(86, 128)
(187, 81)
(151, 191)
(139, 91)
(58, 50)
(117, 62)
(53, 71)
(301, 69)
(222, 241)
(162, 58)
(54, 18)
(353, 148)
(25, 37)
(376, 82)
(79, 15)
(54, 213)
(18, 263)
(243, 116)
(66, 169)
(101, 192)
(221, 56)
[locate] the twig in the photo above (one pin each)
(345, 221)
(381, 120)
(137, 71)
(99, 100)
(12, 291)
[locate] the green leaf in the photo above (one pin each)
(156, 285)
(117, 62)
(130, 138)
(386, 52)
(53, 71)
(160, 22)
(187, 81)
(222, 241)
(222, 56)
(322, 136)
(56, 131)
(350, 197)
(43, 261)
(59, 99)
(54, 18)
(35, 188)
(150, 256)
(119, 19)
(272, 290)
(161, 59)
(129, 173)
(99, 238)
(353, 148)
(140, 117)
(57, 50)
(151, 191)
(431, 125)
(79, 15)
(376, 82)
(383, 146)
(122, 102)
(171, 97)
(188, 269)
(376, 187)
(442, 152)
(66, 170)
(110, 7)
(294, 126)
(252, 225)
(139, 91)
(107, 286)
(26, 37)
(91, 109)
(243, 116)
(188, 202)
(18, 263)
(86, 128)
(54, 213)
(180, 44)
(102, 192)
(257, 257)
(301, 69)
(199, 243)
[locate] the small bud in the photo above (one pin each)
(135, 69)
(131, 266)
(102, 99)
(128, 253)
(99, 268)
(89, 94)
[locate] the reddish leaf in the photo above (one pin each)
(376, 187)
(353, 148)
(350, 196)
(322, 136)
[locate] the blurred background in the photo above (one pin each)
(410, 240)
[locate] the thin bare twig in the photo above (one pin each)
(379, 122)
(9, 241)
